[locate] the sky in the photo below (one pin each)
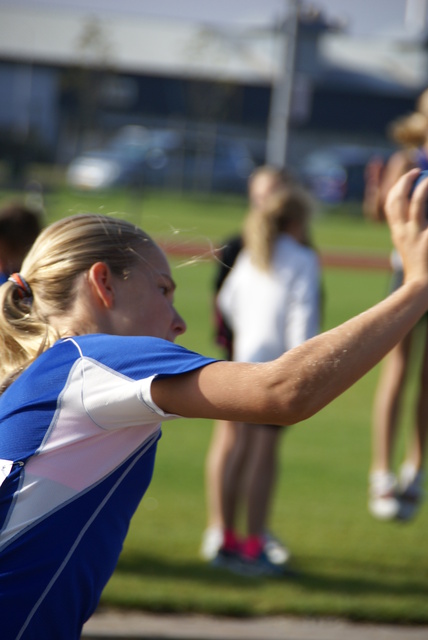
(363, 17)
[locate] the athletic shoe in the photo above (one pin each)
(410, 491)
(276, 551)
(259, 567)
(262, 567)
(212, 540)
(383, 501)
(230, 560)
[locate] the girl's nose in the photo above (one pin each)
(179, 324)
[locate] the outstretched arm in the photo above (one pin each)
(305, 379)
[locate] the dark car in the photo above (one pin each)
(337, 173)
(184, 160)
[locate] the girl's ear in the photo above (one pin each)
(101, 282)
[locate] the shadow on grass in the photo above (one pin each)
(359, 585)
(161, 569)
(355, 579)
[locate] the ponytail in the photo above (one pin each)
(46, 285)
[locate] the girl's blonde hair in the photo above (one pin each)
(263, 225)
(62, 252)
(412, 130)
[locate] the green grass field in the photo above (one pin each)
(351, 566)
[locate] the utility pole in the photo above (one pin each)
(279, 113)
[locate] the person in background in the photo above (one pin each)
(271, 300)
(392, 495)
(19, 227)
(263, 182)
(89, 371)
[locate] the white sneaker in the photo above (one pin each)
(383, 502)
(410, 491)
(212, 540)
(276, 551)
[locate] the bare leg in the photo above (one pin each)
(223, 472)
(410, 482)
(387, 405)
(417, 449)
(220, 444)
(223, 485)
(262, 474)
(235, 460)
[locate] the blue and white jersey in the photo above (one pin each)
(78, 435)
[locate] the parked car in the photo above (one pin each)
(336, 173)
(136, 156)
